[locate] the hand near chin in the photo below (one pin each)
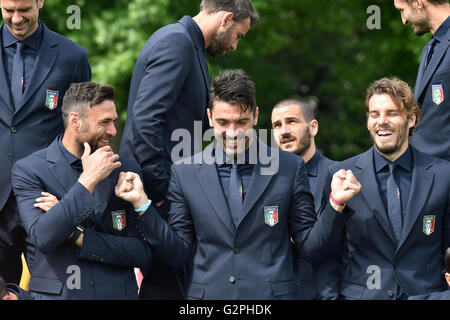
(97, 166)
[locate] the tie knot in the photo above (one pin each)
(392, 167)
(19, 46)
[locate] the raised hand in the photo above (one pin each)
(344, 186)
(130, 188)
(97, 166)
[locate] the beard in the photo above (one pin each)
(85, 135)
(220, 42)
(303, 143)
(390, 149)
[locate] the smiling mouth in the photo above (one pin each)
(384, 133)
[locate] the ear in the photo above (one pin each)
(227, 19)
(447, 277)
(411, 121)
(209, 113)
(419, 4)
(255, 122)
(313, 127)
(74, 120)
(40, 4)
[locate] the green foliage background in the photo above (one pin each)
(315, 49)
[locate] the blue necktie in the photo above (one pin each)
(17, 76)
(393, 203)
(235, 194)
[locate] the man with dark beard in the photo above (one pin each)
(169, 91)
(82, 241)
(398, 227)
(295, 126)
(433, 78)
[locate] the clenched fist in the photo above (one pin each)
(130, 188)
(344, 187)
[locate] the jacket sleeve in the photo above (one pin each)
(172, 240)
(168, 65)
(47, 230)
(116, 250)
(315, 235)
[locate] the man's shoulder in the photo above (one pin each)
(32, 164)
(53, 37)
(173, 32)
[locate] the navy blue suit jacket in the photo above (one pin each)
(250, 260)
(169, 91)
(108, 253)
(433, 133)
(415, 263)
(33, 125)
(309, 275)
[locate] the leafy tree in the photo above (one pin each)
(315, 49)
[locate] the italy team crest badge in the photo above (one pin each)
(118, 219)
(271, 215)
(51, 99)
(428, 224)
(438, 93)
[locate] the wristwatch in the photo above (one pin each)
(76, 234)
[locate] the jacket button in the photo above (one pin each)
(92, 283)
(13, 129)
(390, 293)
(236, 250)
(232, 279)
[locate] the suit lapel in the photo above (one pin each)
(422, 180)
(64, 175)
(439, 52)
(44, 63)
(5, 89)
(420, 74)
(210, 183)
(370, 192)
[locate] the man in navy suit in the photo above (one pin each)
(398, 227)
(169, 91)
(236, 205)
(432, 89)
(32, 85)
(295, 126)
(82, 238)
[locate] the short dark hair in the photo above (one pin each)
(234, 87)
(3, 288)
(400, 93)
(241, 9)
(306, 108)
(83, 95)
(447, 259)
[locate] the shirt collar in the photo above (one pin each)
(33, 41)
(200, 39)
(442, 30)
(70, 158)
(405, 160)
(312, 165)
